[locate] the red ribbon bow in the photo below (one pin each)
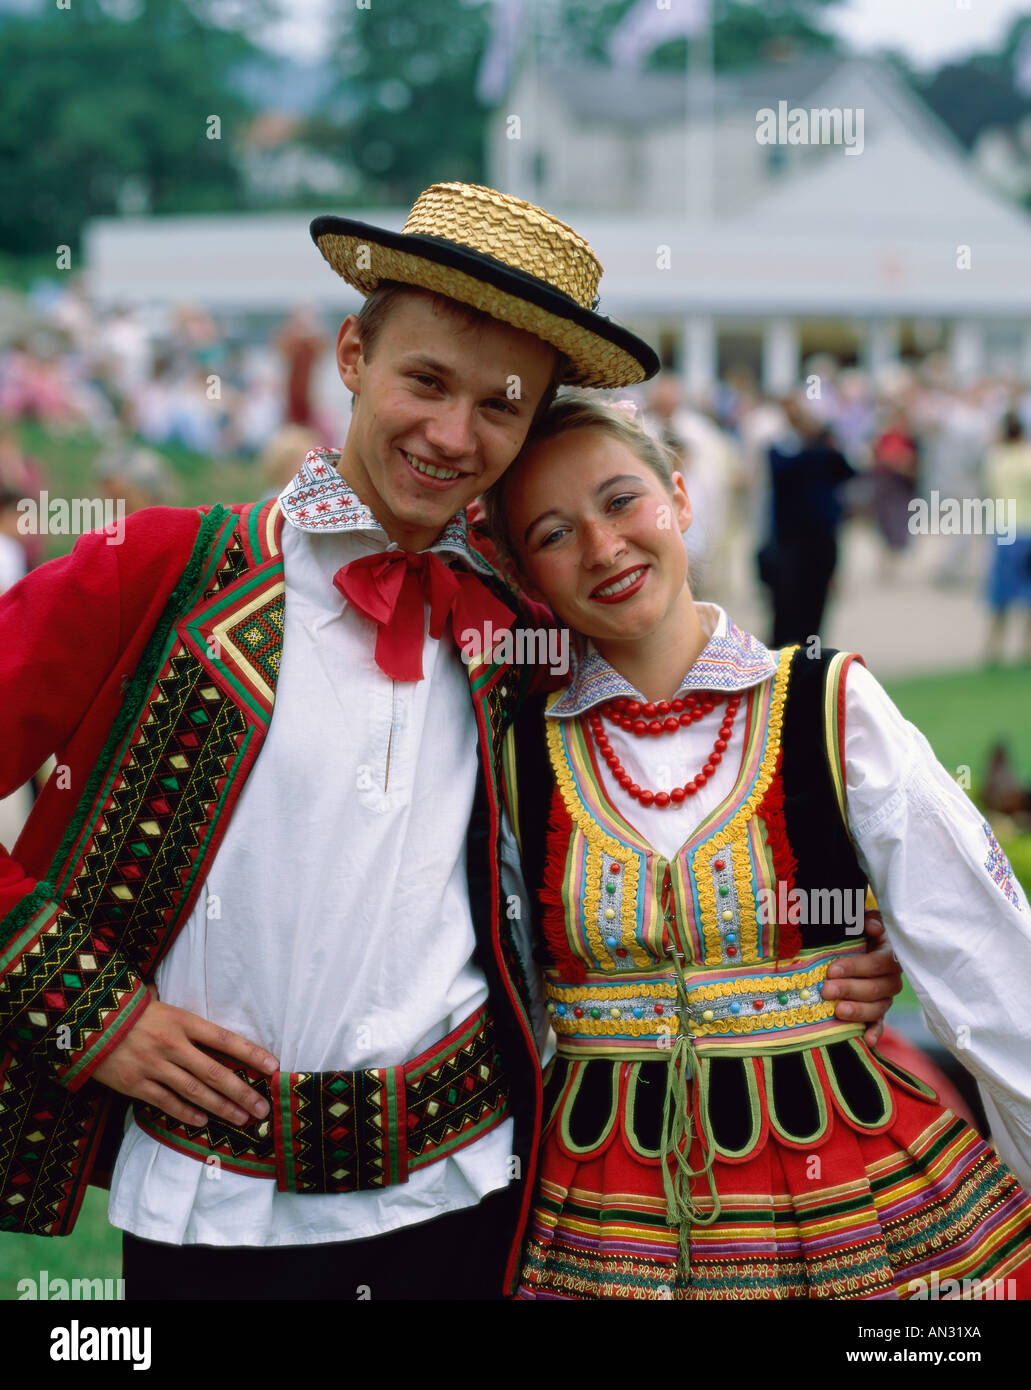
(389, 588)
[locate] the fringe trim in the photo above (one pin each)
(141, 682)
(25, 909)
(553, 916)
(771, 810)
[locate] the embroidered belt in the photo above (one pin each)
(750, 1007)
(352, 1131)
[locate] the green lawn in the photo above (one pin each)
(69, 463)
(963, 714)
(92, 1251)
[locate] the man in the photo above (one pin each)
(329, 918)
(807, 472)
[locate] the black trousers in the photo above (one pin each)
(461, 1255)
(800, 576)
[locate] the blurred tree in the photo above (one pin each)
(742, 33)
(986, 89)
(412, 68)
(973, 94)
(746, 34)
(105, 107)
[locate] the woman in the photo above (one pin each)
(896, 463)
(716, 813)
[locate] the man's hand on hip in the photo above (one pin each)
(159, 1062)
(866, 985)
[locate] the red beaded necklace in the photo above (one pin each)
(678, 794)
(640, 719)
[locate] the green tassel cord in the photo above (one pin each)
(682, 1076)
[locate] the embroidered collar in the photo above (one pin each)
(731, 660)
(318, 499)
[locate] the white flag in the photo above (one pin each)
(652, 23)
(496, 65)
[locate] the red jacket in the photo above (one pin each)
(149, 669)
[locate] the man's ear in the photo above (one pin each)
(349, 354)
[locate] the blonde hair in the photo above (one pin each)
(572, 412)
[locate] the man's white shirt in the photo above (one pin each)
(334, 928)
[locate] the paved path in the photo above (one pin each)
(901, 622)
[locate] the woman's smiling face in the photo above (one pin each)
(598, 536)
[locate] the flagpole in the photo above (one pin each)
(700, 82)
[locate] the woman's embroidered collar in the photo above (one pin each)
(317, 499)
(731, 660)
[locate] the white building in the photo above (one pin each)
(741, 251)
(717, 248)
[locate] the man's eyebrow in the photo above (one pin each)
(421, 359)
(553, 511)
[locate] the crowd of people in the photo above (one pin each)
(788, 468)
(847, 445)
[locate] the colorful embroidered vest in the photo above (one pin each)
(762, 898)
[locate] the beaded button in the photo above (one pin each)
(719, 865)
(638, 1013)
(610, 888)
(708, 1015)
(724, 890)
(611, 940)
(728, 915)
(782, 998)
(610, 912)
(803, 994)
(735, 1008)
(561, 1010)
(596, 1013)
(614, 1013)
(613, 868)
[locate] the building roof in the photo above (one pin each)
(616, 96)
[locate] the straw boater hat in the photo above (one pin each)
(496, 253)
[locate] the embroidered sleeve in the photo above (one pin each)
(67, 993)
(998, 868)
(66, 997)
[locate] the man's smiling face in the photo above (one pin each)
(433, 423)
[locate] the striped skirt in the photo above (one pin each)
(888, 1196)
